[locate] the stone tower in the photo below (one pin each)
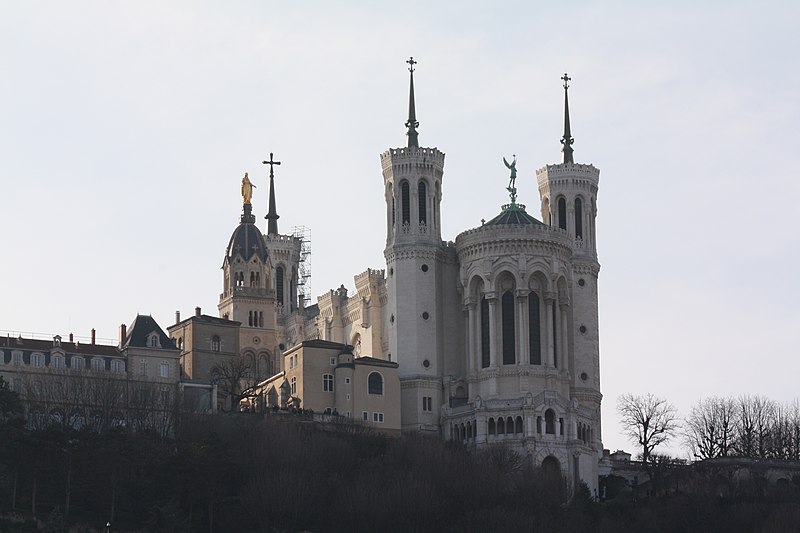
(414, 258)
(569, 201)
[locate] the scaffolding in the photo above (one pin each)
(304, 274)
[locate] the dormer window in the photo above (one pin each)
(57, 340)
(153, 340)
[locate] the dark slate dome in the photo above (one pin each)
(513, 214)
(247, 240)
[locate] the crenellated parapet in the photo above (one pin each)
(403, 160)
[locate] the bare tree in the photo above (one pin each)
(710, 428)
(754, 420)
(238, 377)
(647, 420)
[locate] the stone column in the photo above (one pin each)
(550, 346)
(523, 357)
(473, 361)
(492, 300)
(564, 333)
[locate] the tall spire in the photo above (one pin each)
(567, 139)
(412, 122)
(272, 216)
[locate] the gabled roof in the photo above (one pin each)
(140, 330)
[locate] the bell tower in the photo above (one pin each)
(569, 201)
(415, 257)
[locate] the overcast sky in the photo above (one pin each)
(126, 127)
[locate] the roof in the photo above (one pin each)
(513, 214)
(372, 361)
(208, 319)
(247, 240)
(34, 345)
(140, 330)
(319, 343)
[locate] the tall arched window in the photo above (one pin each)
(562, 213)
(375, 383)
(550, 422)
(394, 212)
(279, 285)
(534, 329)
(484, 333)
(509, 341)
(422, 192)
(405, 202)
(578, 218)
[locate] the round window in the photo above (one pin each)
(582, 329)
(426, 363)
(584, 376)
(425, 315)
(581, 282)
(424, 268)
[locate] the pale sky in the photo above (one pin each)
(126, 127)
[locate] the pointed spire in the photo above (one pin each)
(412, 123)
(567, 139)
(272, 216)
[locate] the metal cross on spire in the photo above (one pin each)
(271, 164)
(412, 122)
(567, 139)
(272, 216)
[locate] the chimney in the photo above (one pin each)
(197, 311)
(70, 337)
(123, 332)
(93, 335)
(177, 316)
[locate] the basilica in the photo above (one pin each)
(490, 339)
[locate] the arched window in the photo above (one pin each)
(509, 341)
(422, 193)
(215, 343)
(534, 329)
(375, 383)
(578, 218)
(484, 333)
(469, 430)
(550, 422)
(294, 385)
(562, 213)
(405, 202)
(501, 426)
(492, 429)
(394, 212)
(261, 319)
(250, 318)
(279, 285)
(518, 425)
